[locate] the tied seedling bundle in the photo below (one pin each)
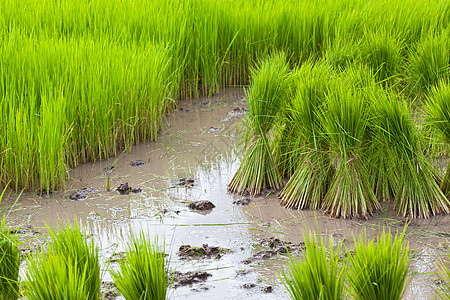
(346, 133)
(410, 176)
(308, 183)
(438, 109)
(258, 170)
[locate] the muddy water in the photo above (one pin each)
(198, 143)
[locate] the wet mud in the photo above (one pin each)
(205, 251)
(194, 159)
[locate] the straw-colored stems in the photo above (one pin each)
(308, 185)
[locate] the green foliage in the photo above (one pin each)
(70, 269)
(265, 99)
(143, 274)
(378, 269)
(317, 274)
(438, 109)
(9, 261)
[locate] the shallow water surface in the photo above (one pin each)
(198, 142)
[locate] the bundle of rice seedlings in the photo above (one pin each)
(438, 109)
(307, 185)
(9, 262)
(317, 275)
(258, 169)
(70, 269)
(429, 62)
(382, 53)
(378, 269)
(410, 175)
(144, 273)
(345, 127)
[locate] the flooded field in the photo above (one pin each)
(193, 159)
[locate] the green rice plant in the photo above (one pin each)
(70, 269)
(378, 269)
(382, 52)
(9, 261)
(317, 275)
(438, 114)
(144, 273)
(308, 183)
(258, 169)
(346, 135)
(429, 62)
(409, 174)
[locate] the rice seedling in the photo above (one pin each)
(410, 175)
(258, 170)
(144, 273)
(70, 269)
(346, 134)
(317, 275)
(9, 261)
(429, 62)
(308, 183)
(438, 114)
(378, 269)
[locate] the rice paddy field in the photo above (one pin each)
(328, 117)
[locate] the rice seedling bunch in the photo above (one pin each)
(382, 52)
(345, 126)
(429, 61)
(378, 269)
(53, 276)
(317, 275)
(411, 177)
(258, 169)
(9, 261)
(438, 115)
(307, 185)
(70, 269)
(144, 273)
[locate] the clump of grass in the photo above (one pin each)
(378, 269)
(438, 110)
(382, 53)
(429, 62)
(9, 261)
(70, 269)
(144, 273)
(307, 185)
(410, 175)
(345, 126)
(317, 275)
(258, 169)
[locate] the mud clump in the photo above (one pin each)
(243, 201)
(189, 278)
(125, 189)
(137, 163)
(81, 194)
(201, 205)
(186, 182)
(276, 246)
(268, 289)
(248, 285)
(109, 290)
(205, 251)
(44, 193)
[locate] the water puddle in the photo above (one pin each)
(193, 160)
